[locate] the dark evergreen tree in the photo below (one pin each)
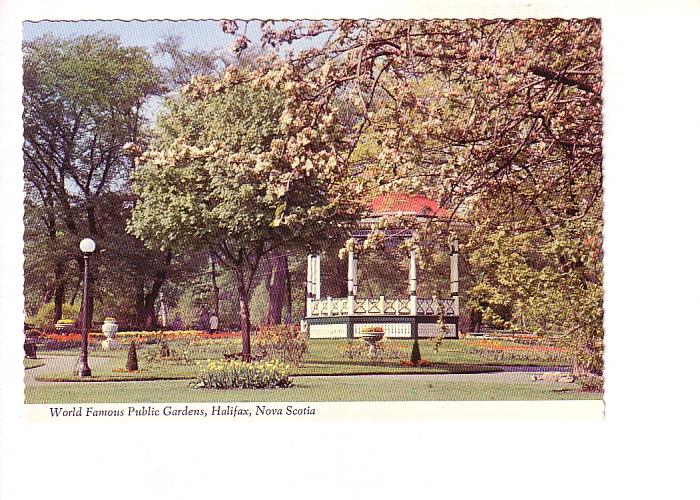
(415, 352)
(132, 363)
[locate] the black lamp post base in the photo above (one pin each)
(84, 370)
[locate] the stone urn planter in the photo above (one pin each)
(110, 329)
(372, 336)
(65, 326)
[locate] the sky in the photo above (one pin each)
(195, 34)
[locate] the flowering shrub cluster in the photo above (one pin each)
(165, 353)
(282, 342)
(384, 350)
(591, 383)
(239, 375)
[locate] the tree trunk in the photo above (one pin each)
(473, 320)
(276, 285)
(140, 303)
(149, 306)
(59, 296)
(288, 319)
(214, 286)
(146, 303)
(244, 313)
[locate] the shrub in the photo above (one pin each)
(590, 383)
(388, 350)
(44, 316)
(132, 363)
(241, 375)
(352, 350)
(415, 353)
(166, 353)
(282, 342)
(385, 350)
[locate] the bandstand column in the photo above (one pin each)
(454, 274)
(354, 275)
(413, 283)
(317, 278)
(351, 282)
(309, 282)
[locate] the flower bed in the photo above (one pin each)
(508, 351)
(239, 375)
(171, 334)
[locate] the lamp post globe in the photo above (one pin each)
(87, 246)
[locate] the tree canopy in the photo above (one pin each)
(83, 99)
(214, 179)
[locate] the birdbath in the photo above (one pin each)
(372, 336)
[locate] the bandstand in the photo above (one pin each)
(398, 317)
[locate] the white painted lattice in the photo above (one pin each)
(393, 330)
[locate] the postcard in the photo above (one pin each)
(300, 255)
(308, 211)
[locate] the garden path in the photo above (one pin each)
(57, 364)
(505, 374)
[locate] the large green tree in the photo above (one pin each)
(218, 178)
(83, 98)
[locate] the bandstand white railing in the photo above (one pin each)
(381, 306)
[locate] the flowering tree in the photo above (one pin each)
(500, 121)
(218, 177)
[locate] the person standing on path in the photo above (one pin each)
(213, 324)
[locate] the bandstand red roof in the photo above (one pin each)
(407, 204)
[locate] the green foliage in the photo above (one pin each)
(211, 178)
(84, 98)
(238, 375)
(358, 350)
(282, 342)
(353, 350)
(132, 363)
(167, 353)
(591, 383)
(44, 316)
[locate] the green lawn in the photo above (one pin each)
(169, 382)
(32, 363)
(307, 389)
(323, 358)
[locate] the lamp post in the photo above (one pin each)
(87, 246)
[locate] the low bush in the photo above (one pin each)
(590, 383)
(282, 342)
(353, 350)
(165, 353)
(240, 375)
(385, 350)
(44, 316)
